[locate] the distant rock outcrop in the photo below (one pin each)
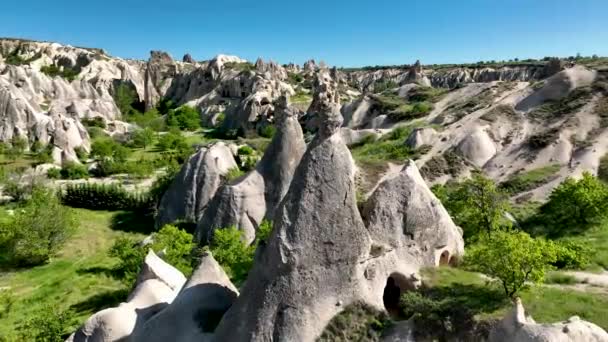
(188, 59)
(159, 72)
(247, 201)
(157, 285)
(516, 327)
(421, 137)
(196, 310)
(195, 184)
(325, 94)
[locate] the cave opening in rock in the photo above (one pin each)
(396, 285)
(444, 258)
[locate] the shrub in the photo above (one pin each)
(37, 231)
(130, 257)
(47, 325)
(94, 122)
(144, 137)
(125, 96)
(81, 153)
(177, 245)
(234, 173)
(602, 171)
(44, 154)
(572, 255)
(245, 151)
(576, 204)
(173, 140)
(560, 278)
(514, 258)
(107, 148)
(263, 232)
(232, 253)
(53, 71)
(476, 205)
(184, 118)
(54, 173)
(268, 131)
(106, 197)
(74, 171)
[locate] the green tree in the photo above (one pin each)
(144, 137)
(74, 171)
(514, 258)
(577, 203)
(125, 96)
(173, 140)
(107, 148)
(176, 245)
(185, 118)
(37, 231)
(232, 253)
(47, 325)
(477, 205)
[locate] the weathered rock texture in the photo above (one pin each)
(192, 316)
(157, 285)
(321, 257)
(195, 184)
(248, 200)
(516, 327)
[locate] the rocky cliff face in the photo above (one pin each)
(245, 202)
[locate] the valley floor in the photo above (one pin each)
(78, 279)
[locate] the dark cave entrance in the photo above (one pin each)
(396, 285)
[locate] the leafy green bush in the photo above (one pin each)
(184, 118)
(576, 204)
(514, 258)
(37, 231)
(173, 140)
(234, 173)
(130, 257)
(94, 122)
(108, 148)
(476, 205)
(66, 72)
(47, 325)
(176, 244)
(357, 322)
(81, 153)
(245, 151)
(106, 197)
(144, 137)
(268, 131)
(232, 253)
(43, 154)
(572, 255)
(74, 171)
(54, 173)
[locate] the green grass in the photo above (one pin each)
(545, 304)
(77, 278)
(528, 180)
(595, 238)
(388, 148)
(560, 278)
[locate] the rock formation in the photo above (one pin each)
(321, 257)
(195, 184)
(516, 327)
(250, 199)
(188, 59)
(192, 316)
(325, 94)
(157, 285)
(477, 147)
(310, 263)
(421, 137)
(159, 72)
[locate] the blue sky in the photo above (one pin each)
(343, 33)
